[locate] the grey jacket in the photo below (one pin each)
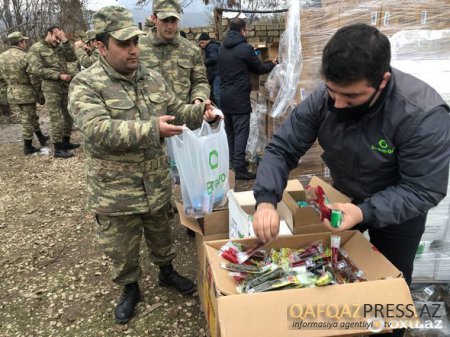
(393, 163)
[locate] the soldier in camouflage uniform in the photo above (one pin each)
(124, 111)
(21, 89)
(86, 51)
(48, 59)
(4, 106)
(178, 60)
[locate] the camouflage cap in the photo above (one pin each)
(16, 37)
(117, 21)
(90, 35)
(166, 8)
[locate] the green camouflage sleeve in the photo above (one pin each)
(34, 80)
(3, 85)
(199, 82)
(69, 52)
(36, 66)
(85, 59)
(189, 114)
(92, 117)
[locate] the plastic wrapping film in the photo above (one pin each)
(432, 262)
(285, 75)
(257, 139)
(424, 54)
(438, 220)
(432, 306)
(318, 24)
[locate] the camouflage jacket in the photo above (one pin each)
(3, 88)
(86, 59)
(127, 169)
(179, 62)
(48, 63)
(21, 86)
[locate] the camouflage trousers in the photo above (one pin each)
(60, 120)
(30, 120)
(120, 237)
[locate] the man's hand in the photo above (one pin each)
(198, 101)
(60, 35)
(352, 215)
(168, 130)
(210, 113)
(266, 222)
(65, 77)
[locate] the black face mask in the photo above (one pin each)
(353, 113)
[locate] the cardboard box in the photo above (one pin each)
(241, 209)
(311, 229)
(267, 314)
(295, 192)
(273, 51)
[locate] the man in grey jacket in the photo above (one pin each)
(386, 140)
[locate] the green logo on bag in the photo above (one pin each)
(212, 185)
(383, 147)
(213, 159)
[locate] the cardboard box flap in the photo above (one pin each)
(273, 320)
(294, 185)
(189, 222)
(369, 259)
(217, 221)
(332, 194)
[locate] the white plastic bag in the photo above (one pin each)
(203, 162)
(172, 163)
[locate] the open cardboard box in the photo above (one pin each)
(268, 314)
(241, 209)
(295, 192)
(212, 223)
(213, 226)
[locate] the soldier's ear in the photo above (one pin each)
(102, 48)
(153, 18)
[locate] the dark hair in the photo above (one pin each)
(354, 53)
(16, 43)
(50, 29)
(237, 24)
(103, 38)
(183, 34)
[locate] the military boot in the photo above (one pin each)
(168, 277)
(125, 308)
(28, 147)
(42, 138)
(67, 145)
(60, 152)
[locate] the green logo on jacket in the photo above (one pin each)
(383, 147)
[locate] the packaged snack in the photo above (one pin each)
(244, 256)
(229, 251)
(335, 245)
(319, 202)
